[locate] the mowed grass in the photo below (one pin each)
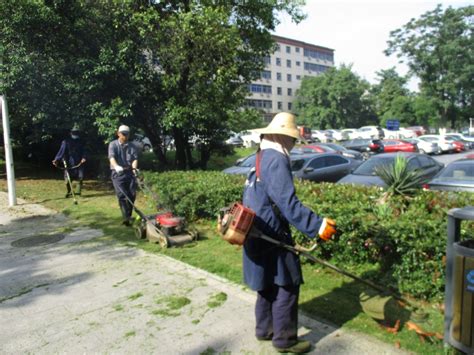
(325, 295)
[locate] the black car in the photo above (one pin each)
(365, 174)
(456, 176)
(322, 166)
(364, 145)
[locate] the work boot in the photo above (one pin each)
(68, 191)
(264, 338)
(79, 188)
(302, 346)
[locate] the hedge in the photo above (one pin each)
(406, 239)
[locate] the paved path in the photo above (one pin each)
(84, 294)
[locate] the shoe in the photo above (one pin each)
(302, 346)
(68, 195)
(127, 223)
(78, 193)
(264, 338)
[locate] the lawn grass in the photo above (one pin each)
(325, 295)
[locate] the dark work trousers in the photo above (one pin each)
(74, 174)
(276, 312)
(125, 183)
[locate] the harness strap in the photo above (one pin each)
(257, 164)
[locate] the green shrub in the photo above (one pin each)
(196, 194)
(406, 239)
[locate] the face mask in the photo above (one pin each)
(73, 136)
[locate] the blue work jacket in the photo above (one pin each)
(266, 264)
(72, 151)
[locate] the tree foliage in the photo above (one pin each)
(439, 49)
(336, 98)
(165, 67)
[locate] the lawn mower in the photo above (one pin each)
(164, 227)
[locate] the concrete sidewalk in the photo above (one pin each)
(82, 294)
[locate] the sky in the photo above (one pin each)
(358, 31)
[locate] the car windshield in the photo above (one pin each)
(247, 162)
(458, 171)
(368, 168)
(297, 164)
(334, 147)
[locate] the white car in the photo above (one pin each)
(320, 136)
(349, 133)
(442, 143)
(402, 133)
(143, 143)
(249, 138)
(370, 132)
(335, 134)
(425, 147)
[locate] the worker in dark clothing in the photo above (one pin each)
(123, 157)
(71, 156)
(275, 273)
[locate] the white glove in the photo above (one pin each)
(118, 169)
(136, 172)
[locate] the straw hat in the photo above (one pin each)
(283, 123)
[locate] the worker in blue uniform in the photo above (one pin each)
(275, 273)
(123, 158)
(72, 156)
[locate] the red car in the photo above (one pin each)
(318, 148)
(398, 145)
(458, 145)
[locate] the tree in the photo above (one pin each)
(439, 48)
(165, 67)
(336, 98)
(391, 99)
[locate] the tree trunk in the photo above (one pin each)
(180, 158)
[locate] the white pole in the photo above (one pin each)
(8, 152)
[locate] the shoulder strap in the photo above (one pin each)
(257, 164)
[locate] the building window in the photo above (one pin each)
(266, 60)
(288, 77)
(297, 49)
(280, 105)
(278, 61)
(298, 63)
(266, 74)
(279, 91)
(318, 55)
(278, 48)
(298, 77)
(289, 106)
(258, 88)
(279, 76)
(266, 104)
(315, 67)
(290, 92)
(288, 63)
(288, 49)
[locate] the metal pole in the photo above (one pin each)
(8, 152)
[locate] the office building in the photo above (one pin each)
(284, 69)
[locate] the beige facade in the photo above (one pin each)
(285, 68)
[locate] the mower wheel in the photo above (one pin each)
(193, 232)
(163, 241)
(140, 231)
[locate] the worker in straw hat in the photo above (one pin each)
(273, 272)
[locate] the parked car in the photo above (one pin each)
(314, 167)
(425, 147)
(322, 167)
(317, 148)
(365, 174)
(349, 133)
(336, 134)
(374, 132)
(234, 140)
(456, 176)
(445, 146)
(320, 136)
(354, 154)
(398, 145)
(458, 145)
(402, 133)
(242, 166)
(467, 140)
(364, 145)
(142, 142)
(419, 130)
(250, 139)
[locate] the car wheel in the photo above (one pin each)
(421, 151)
(147, 148)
